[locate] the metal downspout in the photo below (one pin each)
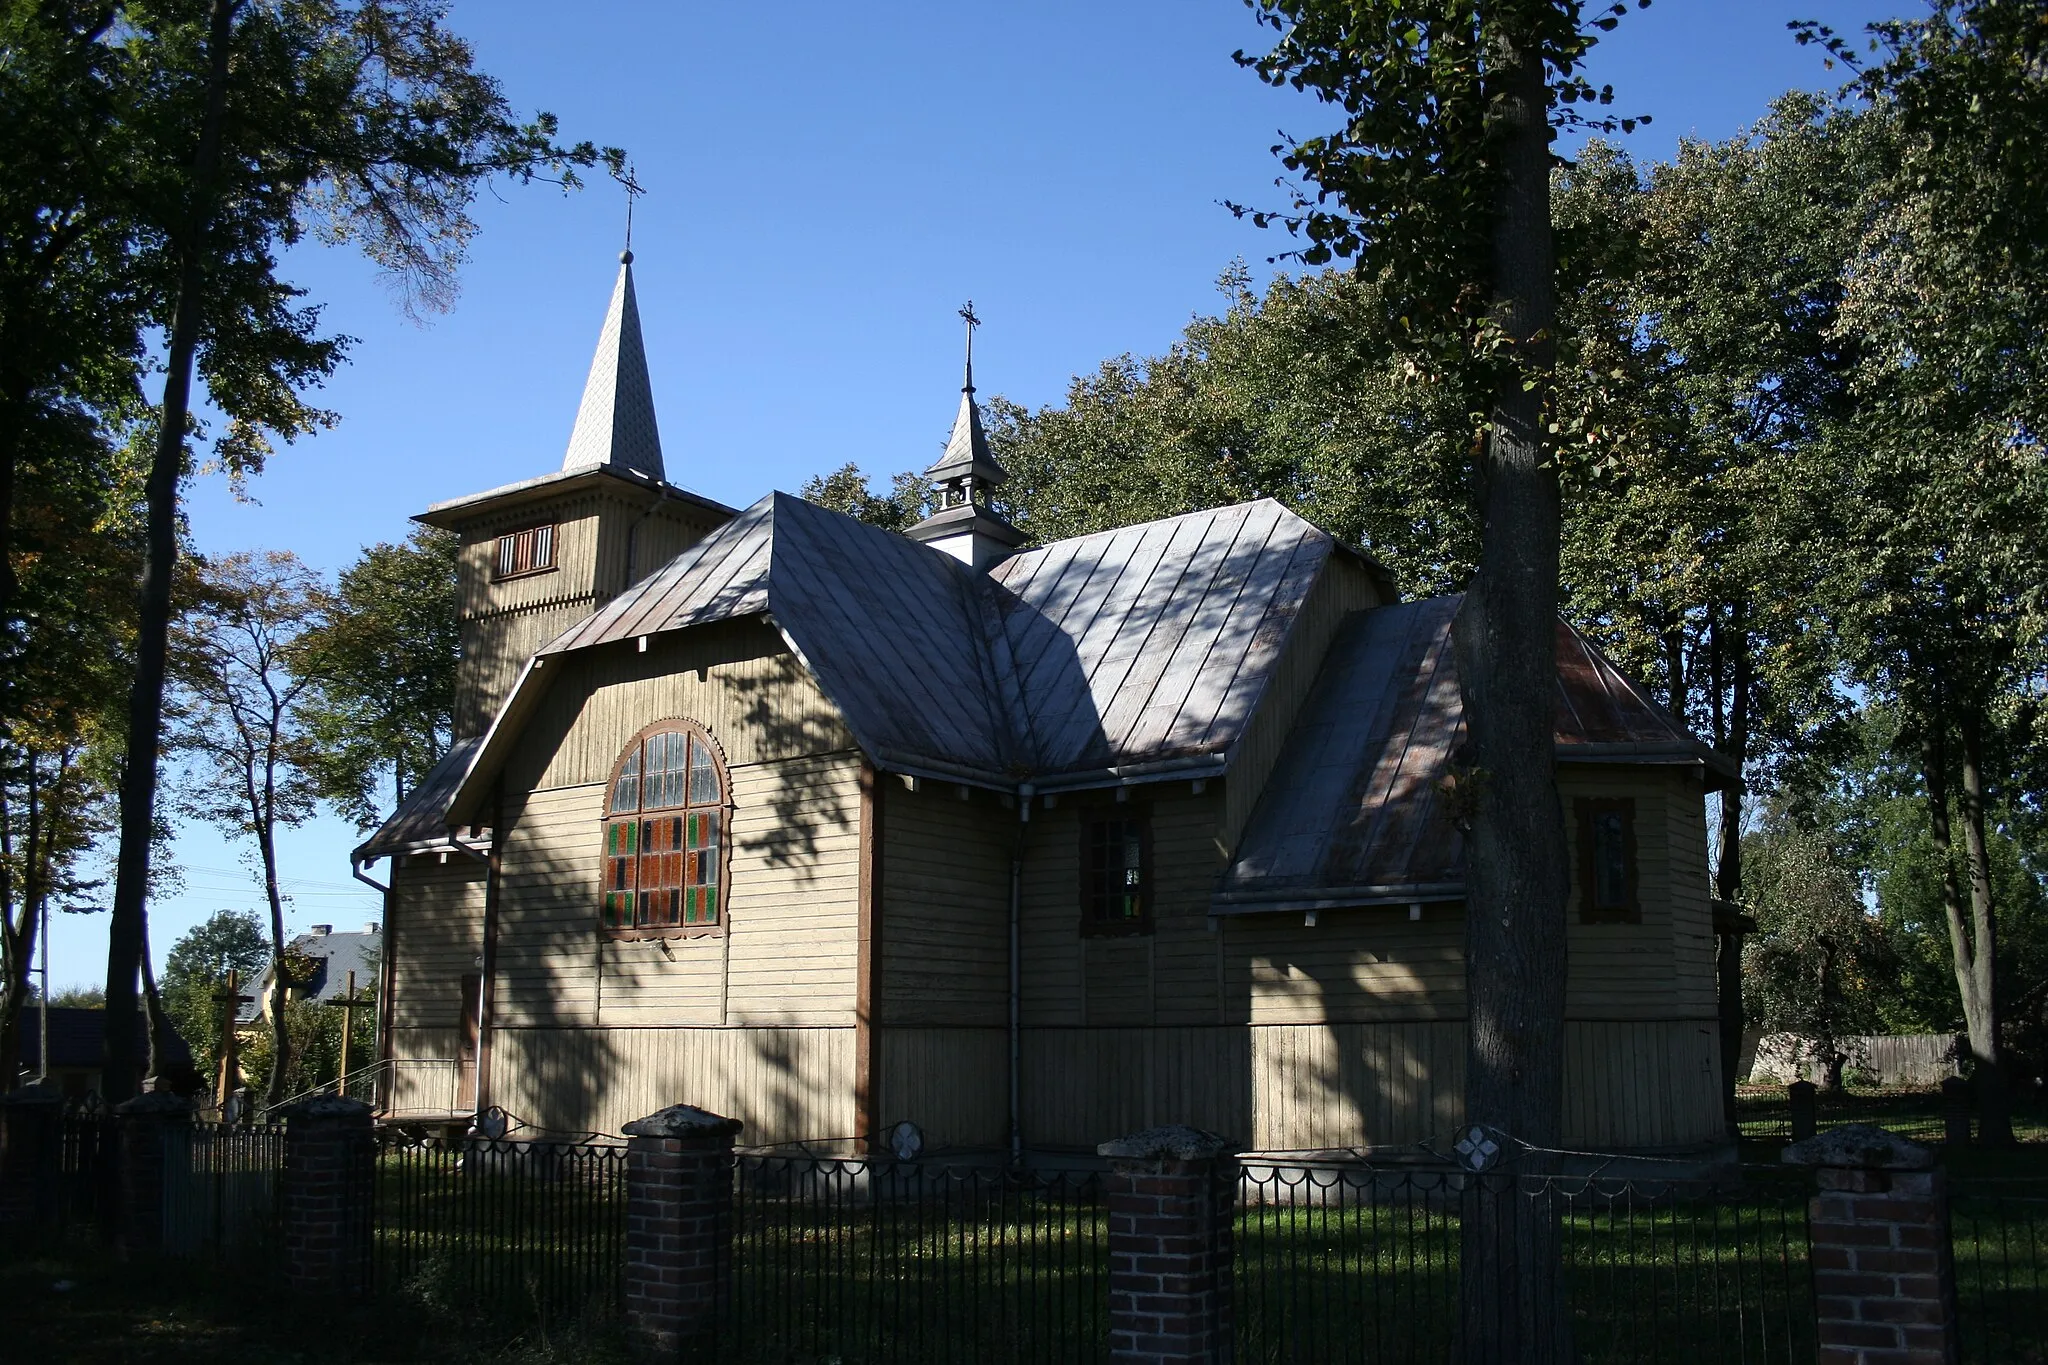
(1024, 794)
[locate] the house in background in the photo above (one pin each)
(325, 960)
(77, 1045)
(829, 828)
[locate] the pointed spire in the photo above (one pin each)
(615, 426)
(967, 454)
(962, 526)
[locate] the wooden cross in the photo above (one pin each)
(348, 1005)
(230, 1042)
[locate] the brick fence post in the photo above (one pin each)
(155, 1131)
(679, 1167)
(1883, 1282)
(29, 1149)
(1170, 1193)
(330, 1155)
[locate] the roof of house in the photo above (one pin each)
(1131, 652)
(334, 955)
(1358, 808)
(77, 1037)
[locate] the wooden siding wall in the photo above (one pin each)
(1344, 587)
(785, 1084)
(1317, 1087)
(438, 913)
(945, 906)
(603, 543)
(1294, 1038)
(757, 1022)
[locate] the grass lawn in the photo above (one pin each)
(77, 1306)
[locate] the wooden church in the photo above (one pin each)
(830, 828)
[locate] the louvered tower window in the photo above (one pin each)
(527, 551)
(664, 835)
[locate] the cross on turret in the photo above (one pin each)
(961, 523)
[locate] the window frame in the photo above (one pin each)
(635, 747)
(1146, 921)
(1588, 810)
(554, 534)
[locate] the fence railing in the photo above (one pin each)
(88, 1148)
(1346, 1263)
(221, 1189)
(493, 1227)
(1998, 1233)
(874, 1261)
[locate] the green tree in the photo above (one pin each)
(362, 121)
(381, 708)
(1934, 482)
(846, 490)
(1298, 395)
(197, 968)
(74, 551)
(246, 667)
(1819, 962)
(1437, 180)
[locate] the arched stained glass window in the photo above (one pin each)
(664, 834)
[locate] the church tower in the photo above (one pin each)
(962, 525)
(539, 555)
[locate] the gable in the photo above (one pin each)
(1360, 808)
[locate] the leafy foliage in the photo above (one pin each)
(1813, 968)
(381, 706)
(197, 968)
(846, 490)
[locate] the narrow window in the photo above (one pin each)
(1607, 860)
(1116, 873)
(527, 551)
(664, 835)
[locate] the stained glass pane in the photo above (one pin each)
(703, 775)
(626, 791)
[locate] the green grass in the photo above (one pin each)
(1765, 1114)
(77, 1305)
(1698, 1279)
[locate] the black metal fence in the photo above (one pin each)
(1346, 1263)
(88, 1148)
(883, 1261)
(1998, 1231)
(221, 1188)
(500, 1228)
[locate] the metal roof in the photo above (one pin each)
(421, 820)
(1154, 642)
(1138, 649)
(615, 424)
(1356, 810)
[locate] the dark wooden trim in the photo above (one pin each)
(493, 892)
(867, 1035)
(1585, 809)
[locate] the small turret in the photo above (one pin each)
(961, 524)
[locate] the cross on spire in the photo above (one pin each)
(633, 190)
(967, 315)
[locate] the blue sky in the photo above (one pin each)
(826, 184)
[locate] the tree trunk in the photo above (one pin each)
(1987, 1043)
(1731, 740)
(146, 696)
(280, 1036)
(1516, 874)
(1965, 949)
